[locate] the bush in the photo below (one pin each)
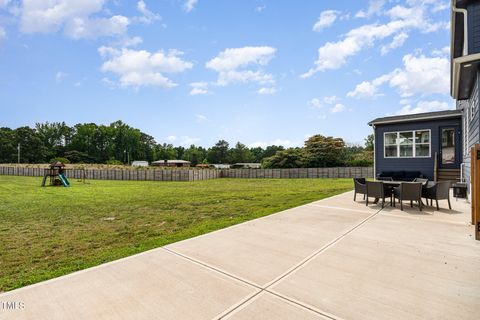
(114, 162)
(62, 160)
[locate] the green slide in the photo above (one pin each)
(64, 180)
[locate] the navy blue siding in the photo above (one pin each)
(474, 27)
(424, 165)
(471, 125)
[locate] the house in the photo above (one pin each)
(246, 166)
(171, 163)
(419, 145)
(464, 76)
(220, 166)
(140, 164)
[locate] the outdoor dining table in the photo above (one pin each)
(391, 185)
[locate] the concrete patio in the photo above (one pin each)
(330, 259)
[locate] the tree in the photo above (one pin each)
(240, 154)
(165, 152)
(369, 141)
(321, 151)
(195, 155)
(219, 152)
(32, 149)
(8, 149)
(290, 158)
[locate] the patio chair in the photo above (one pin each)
(437, 191)
(384, 178)
(377, 190)
(423, 181)
(408, 191)
(360, 187)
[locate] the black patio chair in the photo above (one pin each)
(384, 178)
(408, 191)
(437, 191)
(376, 189)
(360, 187)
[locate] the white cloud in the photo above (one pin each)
(326, 19)
(129, 42)
(397, 42)
(60, 76)
(199, 88)
(200, 118)
(315, 103)
(331, 99)
(267, 90)
(189, 5)
(338, 108)
(445, 51)
(230, 65)
(333, 55)
(260, 8)
(138, 68)
(419, 75)
(368, 89)
(422, 75)
(171, 138)
(426, 106)
(79, 28)
(374, 7)
(74, 17)
(148, 16)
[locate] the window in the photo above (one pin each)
(407, 144)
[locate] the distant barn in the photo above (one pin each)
(171, 163)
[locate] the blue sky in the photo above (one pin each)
(259, 72)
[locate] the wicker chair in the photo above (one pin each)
(438, 191)
(423, 181)
(384, 178)
(408, 191)
(360, 187)
(377, 190)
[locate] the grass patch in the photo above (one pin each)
(52, 231)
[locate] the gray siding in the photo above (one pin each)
(474, 27)
(424, 165)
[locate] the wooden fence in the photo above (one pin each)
(198, 174)
(299, 173)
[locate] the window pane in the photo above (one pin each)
(422, 136)
(406, 150)
(390, 151)
(390, 138)
(406, 138)
(422, 150)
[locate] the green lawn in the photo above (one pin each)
(48, 232)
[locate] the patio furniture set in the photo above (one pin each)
(403, 191)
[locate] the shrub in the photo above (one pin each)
(114, 162)
(63, 160)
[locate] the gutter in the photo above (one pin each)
(465, 25)
(456, 62)
(415, 119)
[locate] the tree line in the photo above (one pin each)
(119, 143)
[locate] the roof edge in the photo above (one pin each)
(418, 117)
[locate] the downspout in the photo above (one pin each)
(465, 25)
(374, 153)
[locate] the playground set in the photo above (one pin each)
(56, 173)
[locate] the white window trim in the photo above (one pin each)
(414, 144)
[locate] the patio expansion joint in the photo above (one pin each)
(266, 287)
